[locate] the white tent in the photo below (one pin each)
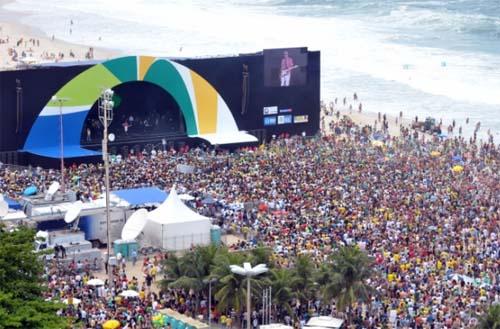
(324, 322)
(174, 226)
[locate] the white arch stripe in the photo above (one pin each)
(185, 74)
(55, 110)
(225, 120)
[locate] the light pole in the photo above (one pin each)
(210, 281)
(61, 100)
(106, 116)
(248, 271)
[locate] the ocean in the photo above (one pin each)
(423, 57)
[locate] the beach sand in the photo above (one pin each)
(14, 36)
(365, 118)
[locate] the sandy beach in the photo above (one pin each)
(22, 46)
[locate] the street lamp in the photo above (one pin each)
(248, 271)
(106, 117)
(61, 100)
(210, 281)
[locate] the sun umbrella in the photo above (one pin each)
(186, 197)
(457, 169)
(111, 324)
(377, 143)
(435, 154)
(31, 190)
(129, 294)
(72, 301)
(95, 282)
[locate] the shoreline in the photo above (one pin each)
(18, 39)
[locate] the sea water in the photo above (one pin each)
(423, 57)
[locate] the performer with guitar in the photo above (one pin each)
(286, 69)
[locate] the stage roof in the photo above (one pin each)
(225, 138)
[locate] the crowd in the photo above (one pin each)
(91, 303)
(432, 231)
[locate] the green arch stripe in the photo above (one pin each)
(86, 87)
(124, 68)
(165, 75)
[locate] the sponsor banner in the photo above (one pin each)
(301, 119)
(270, 121)
(270, 110)
(185, 169)
(284, 119)
(285, 110)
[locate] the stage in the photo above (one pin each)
(52, 111)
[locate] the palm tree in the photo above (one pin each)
(303, 272)
(282, 281)
(230, 291)
(171, 270)
(351, 268)
(491, 319)
(190, 271)
(261, 255)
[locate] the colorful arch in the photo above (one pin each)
(206, 114)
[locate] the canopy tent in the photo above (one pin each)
(174, 226)
(13, 204)
(141, 196)
(324, 322)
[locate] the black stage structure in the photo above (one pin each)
(260, 106)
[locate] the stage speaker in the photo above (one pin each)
(245, 88)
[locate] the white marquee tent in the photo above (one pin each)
(174, 226)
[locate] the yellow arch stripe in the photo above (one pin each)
(206, 104)
(144, 64)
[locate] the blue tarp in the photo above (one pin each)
(31, 190)
(141, 196)
(13, 204)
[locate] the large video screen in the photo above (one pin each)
(285, 67)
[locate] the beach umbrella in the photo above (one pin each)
(457, 169)
(435, 154)
(208, 200)
(186, 197)
(111, 324)
(72, 301)
(377, 143)
(95, 282)
(443, 135)
(129, 294)
(31, 190)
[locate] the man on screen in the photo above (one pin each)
(286, 69)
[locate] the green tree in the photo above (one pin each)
(490, 319)
(303, 285)
(282, 294)
(21, 302)
(231, 289)
(350, 270)
(261, 255)
(190, 271)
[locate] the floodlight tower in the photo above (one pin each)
(106, 117)
(61, 101)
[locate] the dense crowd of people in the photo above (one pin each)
(426, 209)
